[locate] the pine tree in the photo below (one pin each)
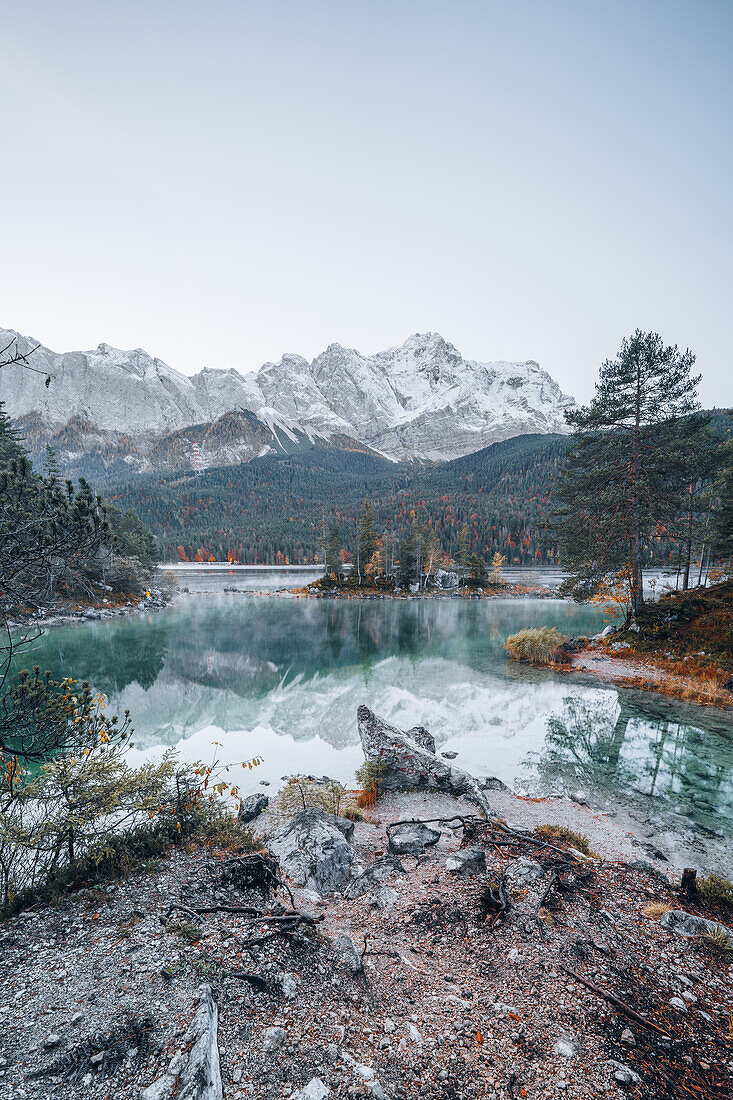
(723, 516)
(464, 550)
(366, 537)
(623, 476)
(333, 554)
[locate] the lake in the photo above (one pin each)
(281, 678)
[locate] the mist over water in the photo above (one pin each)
(281, 678)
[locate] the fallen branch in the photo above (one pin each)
(612, 999)
(375, 951)
(253, 979)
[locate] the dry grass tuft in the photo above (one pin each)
(538, 645)
(656, 909)
(561, 833)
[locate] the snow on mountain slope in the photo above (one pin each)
(422, 399)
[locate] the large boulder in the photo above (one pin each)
(687, 924)
(409, 760)
(313, 851)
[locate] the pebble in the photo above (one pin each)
(51, 1041)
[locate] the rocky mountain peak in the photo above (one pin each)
(419, 399)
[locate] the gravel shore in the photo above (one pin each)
(418, 988)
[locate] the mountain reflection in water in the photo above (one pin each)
(282, 678)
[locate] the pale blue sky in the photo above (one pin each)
(221, 182)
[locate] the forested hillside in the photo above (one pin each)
(274, 509)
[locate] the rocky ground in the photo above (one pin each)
(459, 971)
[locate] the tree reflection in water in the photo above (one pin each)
(615, 746)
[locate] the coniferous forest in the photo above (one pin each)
(275, 509)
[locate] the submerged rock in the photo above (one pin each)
(409, 759)
(313, 851)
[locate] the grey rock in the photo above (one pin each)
(678, 1003)
(566, 1045)
(51, 1041)
(409, 839)
(347, 955)
(627, 1037)
(314, 1090)
(161, 1089)
(252, 807)
(624, 1074)
(273, 1039)
(384, 898)
(373, 876)
(687, 924)
(492, 783)
(313, 851)
(467, 861)
(410, 761)
(524, 872)
(289, 986)
(449, 755)
(200, 1078)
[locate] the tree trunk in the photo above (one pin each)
(688, 545)
(637, 578)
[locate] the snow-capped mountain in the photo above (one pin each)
(419, 400)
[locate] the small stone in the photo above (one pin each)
(97, 1059)
(273, 1039)
(627, 1037)
(314, 1090)
(51, 1041)
(408, 839)
(388, 1026)
(565, 1046)
(678, 1003)
(623, 1073)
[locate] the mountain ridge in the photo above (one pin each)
(421, 399)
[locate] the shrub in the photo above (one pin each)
(716, 891)
(369, 777)
(303, 792)
(719, 940)
(538, 645)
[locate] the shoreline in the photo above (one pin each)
(90, 611)
(646, 672)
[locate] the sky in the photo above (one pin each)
(221, 183)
